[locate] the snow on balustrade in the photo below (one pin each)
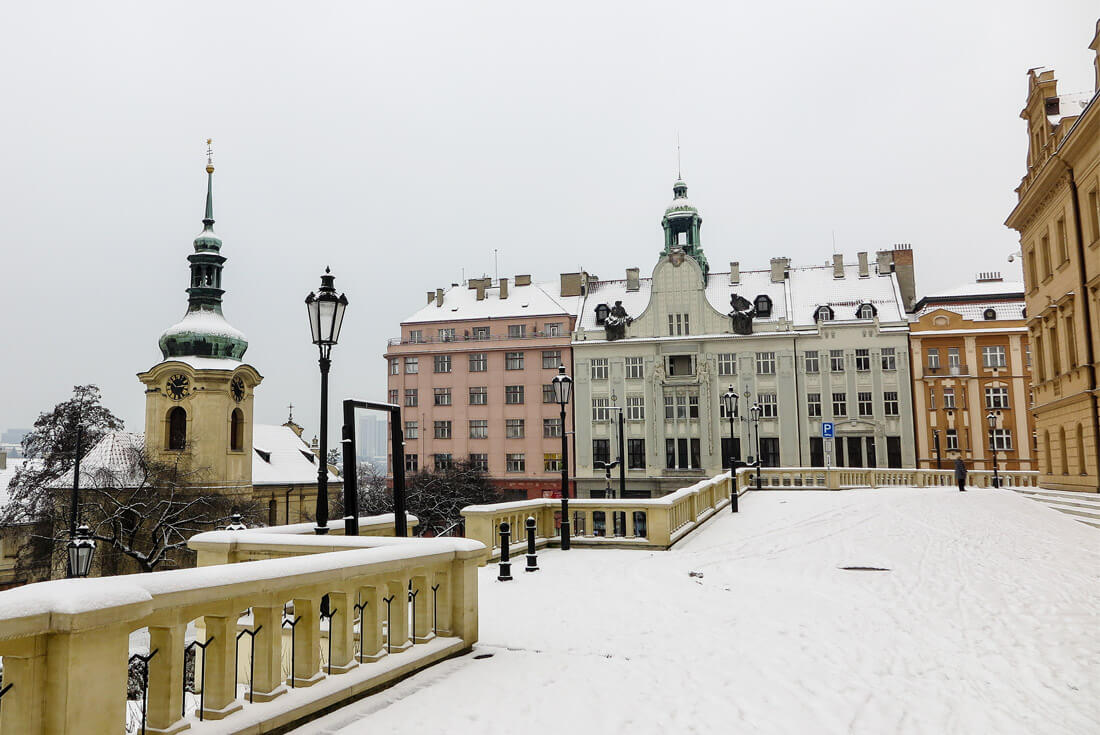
(840, 478)
(394, 605)
(651, 523)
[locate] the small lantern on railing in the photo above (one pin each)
(235, 523)
(81, 550)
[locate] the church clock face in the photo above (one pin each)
(237, 389)
(177, 386)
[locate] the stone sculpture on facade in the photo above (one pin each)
(741, 315)
(615, 326)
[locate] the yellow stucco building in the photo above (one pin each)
(1058, 219)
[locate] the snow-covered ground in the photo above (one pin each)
(988, 621)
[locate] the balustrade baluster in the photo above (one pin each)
(398, 625)
(371, 642)
(219, 674)
(165, 695)
(341, 632)
(306, 664)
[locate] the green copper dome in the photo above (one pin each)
(203, 331)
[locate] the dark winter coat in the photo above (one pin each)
(960, 469)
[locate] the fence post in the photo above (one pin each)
(532, 559)
(505, 573)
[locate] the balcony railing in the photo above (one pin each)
(643, 523)
(65, 644)
(843, 478)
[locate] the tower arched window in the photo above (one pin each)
(763, 304)
(177, 429)
(236, 430)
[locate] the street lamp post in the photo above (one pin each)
(755, 412)
(563, 388)
(81, 546)
(326, 316)
(992, 419)
(936, 441)
(729, 401)
(622, 445)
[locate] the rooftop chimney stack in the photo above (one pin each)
(524, 280)
(838, 265)
(903, 268)
(632, 279)
(503, 288)
(438, 297)
(431, 296)
(570, 284)
(735, 272)
(864, 268)
(779, 269)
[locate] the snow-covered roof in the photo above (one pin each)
(1011, 310)
(971, 300)
(207, 363)
(7, 475)
(1070, 105)
(204, 322)
(808, 288)
(280, 457)
(982, 288)
(110, 463)
(460, 302)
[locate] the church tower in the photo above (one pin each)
(681, 224)
(199, 399)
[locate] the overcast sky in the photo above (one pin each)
(401, 143)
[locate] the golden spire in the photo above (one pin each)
(209, 156)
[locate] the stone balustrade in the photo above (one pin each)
(642, 523)
(842, 478)
(65, 643)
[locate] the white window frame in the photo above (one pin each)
(599, 368)
(765, 363)
(727, 363)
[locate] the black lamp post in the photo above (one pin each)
(81, 546)
(729, 400)
(754, 411)
(326, 315)
(563, 389)
(622, 445)
(992, 419)
(936, 441)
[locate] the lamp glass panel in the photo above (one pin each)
(327, 315)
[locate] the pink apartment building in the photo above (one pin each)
(472, 372)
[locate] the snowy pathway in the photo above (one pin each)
(988, 621)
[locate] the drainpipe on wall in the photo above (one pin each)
(1087, 313)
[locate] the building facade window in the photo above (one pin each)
(447, 334)
(480, 333)
(392, 395)
(931, 398)
(553, 329)
(840, 404)
(866, 311)
(479, 429)
(410, 397)
(889, 358)
(601, 450)
(513, 394)
(933, 358)
(548, 395)
(993, 356)
(412, 430)
(634, 370)
(479, 362)
(395, 366)
(1001, 440)
(635, 454)
(513, 429)
(442, 363)
(864, 404)
(517, 331)
(635, 408)
(765, 363)
(479, 395)
(836, 361)
(513, 361)
(443, 461)
(824, 314)
(813, 363)
(863, 360)
(954, 360)
(551, 462)
(769, 405)
(952, 439)
(411, 463)
(599, 368)
(601, 409)
(442, 429)
(551, 359)
(949, 398)
(480, 462)
(682, 454)
(996, 396)
(551, 428)
(416, 336)
(412, 365)
(813, 405)
(727, 363)
(442, 396)
(678, 325)
(515, 463)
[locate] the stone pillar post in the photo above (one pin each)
(307, 644)
(25, 666)
(267, 681)
(341, 631)
(220, 698)
(165, 704)
(398, 632)
(86, 687)
(422, 618)
(463, 597)
(371, 643)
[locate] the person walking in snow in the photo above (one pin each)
(960, 474)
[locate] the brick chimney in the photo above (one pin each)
(632, 279)
(503, 288)
(907, 280)
(838, 266)
(864, 268)
(779, 269)
(479, 285)
(431, 296)
(524, 280)
(438, 297)
(735, 272)
(570, 284)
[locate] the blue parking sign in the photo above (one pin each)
(826, 429)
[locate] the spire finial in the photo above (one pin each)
(679, 175)
(209, 155)
(291, 416)
(208, 220)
